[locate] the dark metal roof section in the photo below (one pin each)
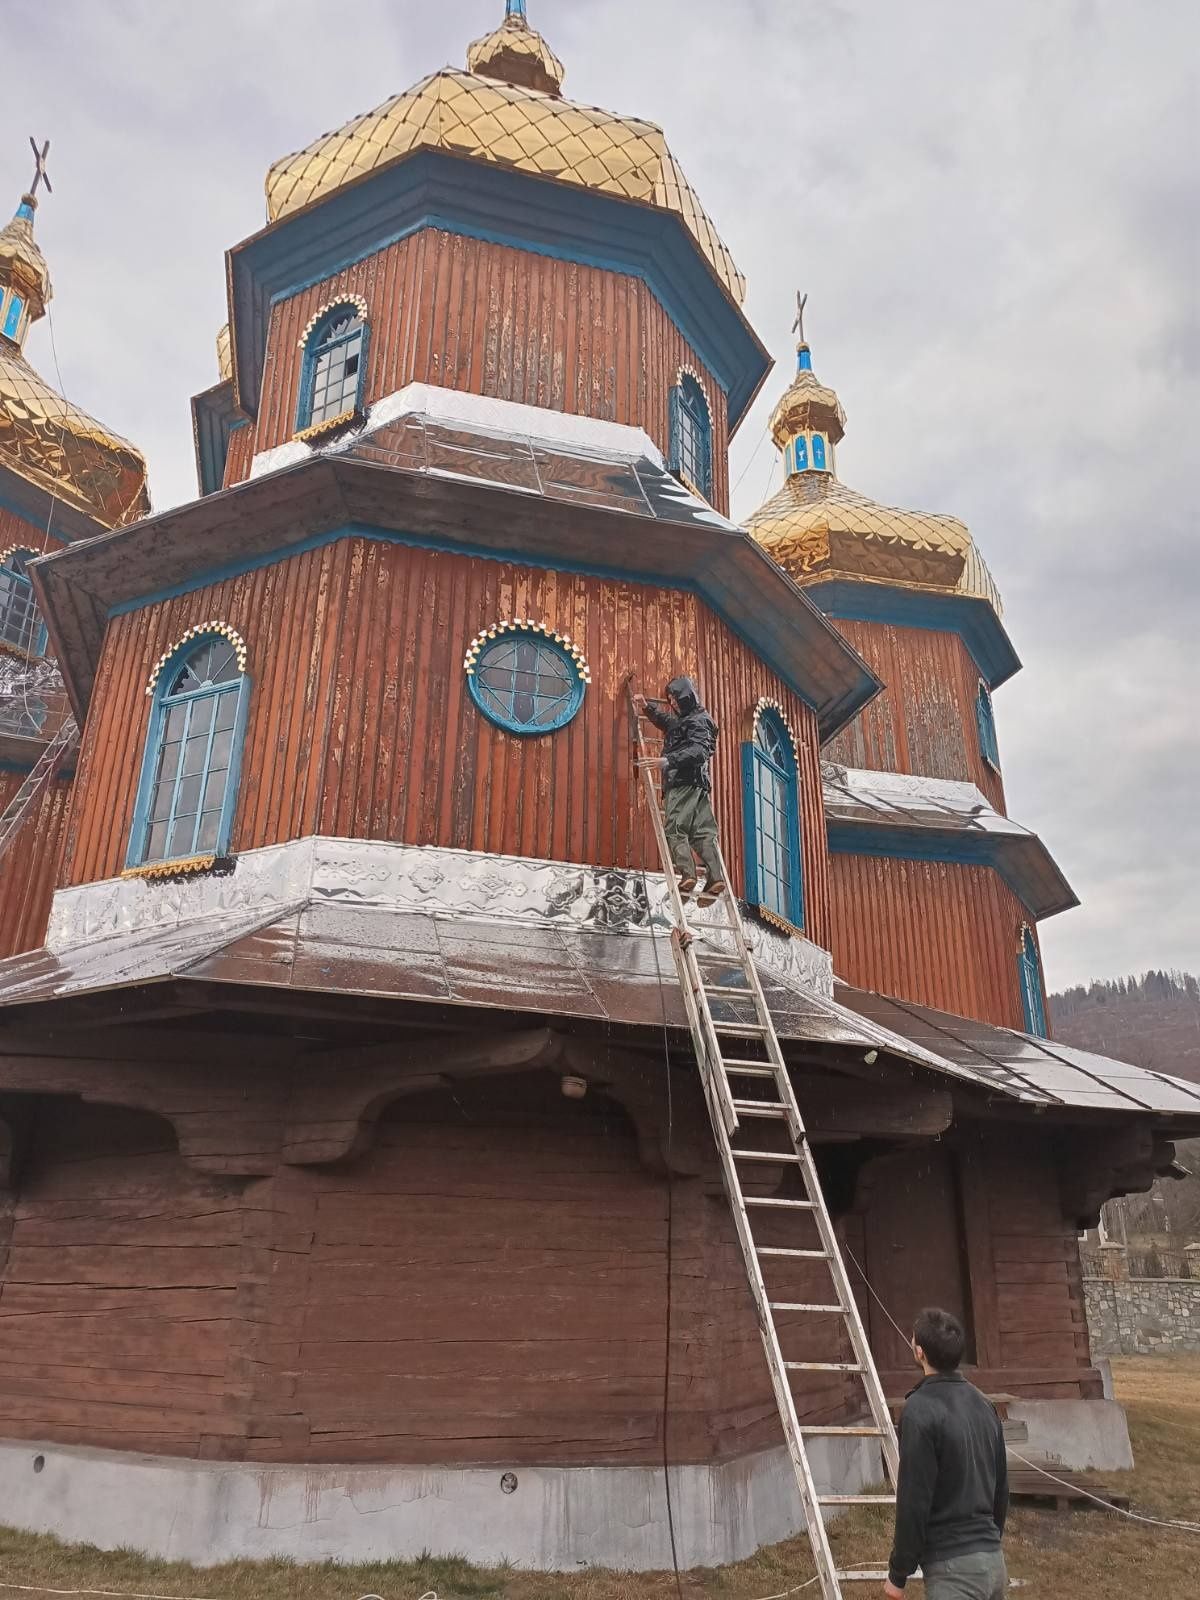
(1037, 1071)
(896, 814)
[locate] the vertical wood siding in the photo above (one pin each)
(938, 933)
(241, 454)
(29, 870)
(361, 723)
(501, 322)
(924, 721)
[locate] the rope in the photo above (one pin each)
(1132, 1516)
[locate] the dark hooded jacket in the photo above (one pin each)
(690, 739)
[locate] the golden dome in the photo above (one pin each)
(22, 265)
(817, 529)
(495, 113)
(517, 54)
(49, 442)
(224, 354)
(807, 404)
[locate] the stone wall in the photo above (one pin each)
(1141, 1316)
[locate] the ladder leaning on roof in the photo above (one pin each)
(37, 780)
(721, 1016)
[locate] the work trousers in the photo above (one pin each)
(982, 1576)
(691, 825)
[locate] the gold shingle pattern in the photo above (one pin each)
(817, 528)
(23, 265)
(516, 53)
(509, 126)
(807, 404)
(50, 443)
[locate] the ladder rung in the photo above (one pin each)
(862, 1575)
(756, 1108)
(822, 1366)
(787, 1205)
(741, 1030)
(801, 1255)
(772, 1157)
(749, 1069)
(856, 1499)
(832, 1432)
(804, 1305)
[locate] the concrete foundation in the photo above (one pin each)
(550, 1519)
(553, 1519)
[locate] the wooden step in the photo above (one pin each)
(832, 1432)
(770, 1157)
(863, 1575)
(856, 1499)
(783, 1205)
(759, 1108)
(804, 1305)
(822, 1366)
(749, 1069)
(796, 1255)
(741, 1030)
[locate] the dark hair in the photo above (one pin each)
(941, 1336)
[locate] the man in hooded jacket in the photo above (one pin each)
(689, 743)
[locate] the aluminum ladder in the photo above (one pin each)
(40, 776)
(720, 1016)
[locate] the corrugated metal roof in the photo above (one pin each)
(865, 809)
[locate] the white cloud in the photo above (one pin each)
(992, 207)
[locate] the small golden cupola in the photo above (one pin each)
(44, 439)
(817, 529)
(517, 54)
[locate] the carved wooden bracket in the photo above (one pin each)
(1100, 1165)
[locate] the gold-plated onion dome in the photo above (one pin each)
(43, 438)
(517, 54)
(493, 114)
(51, 443)
(817, 529)
(23, 267)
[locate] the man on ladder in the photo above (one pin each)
(689, 743)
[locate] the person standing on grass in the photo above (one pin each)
(689, 743)
(952, 1497)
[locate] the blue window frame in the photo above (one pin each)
(691, 435)
(771, 795)
(985, 721)
(20, 625)
(12, 317)
(1030, 967)
(526, 683)
(193, 756)
(335, 364)
(818, 451)
(800, 447)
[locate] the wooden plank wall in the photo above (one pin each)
(924, 722)
(120, 1311)
(29, 870)
(361, 723)
(942, 934)
(502, 322)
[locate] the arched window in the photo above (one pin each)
(12, 316)
(334, 367)
(1030, 967)
(985, 720)
(772, 807)
(193, 755)
(20, 625)
(691, 435)
(526, 682)
(818, 451)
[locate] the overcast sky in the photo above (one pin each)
(993, 209)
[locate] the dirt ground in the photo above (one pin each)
(1054, 1556)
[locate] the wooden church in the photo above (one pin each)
(357, 1193)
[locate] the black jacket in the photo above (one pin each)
(690, 738)
(952, 1498)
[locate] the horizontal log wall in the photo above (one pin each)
(502, 322)
(361, 723)
(924, 721)
(939, 933)
(30, 867)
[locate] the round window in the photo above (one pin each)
(526, 683)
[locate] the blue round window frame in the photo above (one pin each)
(491, 704)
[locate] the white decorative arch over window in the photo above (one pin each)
(200, 631)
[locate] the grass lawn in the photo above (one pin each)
(1057, 1556)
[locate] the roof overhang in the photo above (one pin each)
(971, 617)
(675, 541)
(43, 510)
(430, 189)
(214, 417)
(931, 819)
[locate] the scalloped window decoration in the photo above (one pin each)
(525, 678)
(334, 366)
